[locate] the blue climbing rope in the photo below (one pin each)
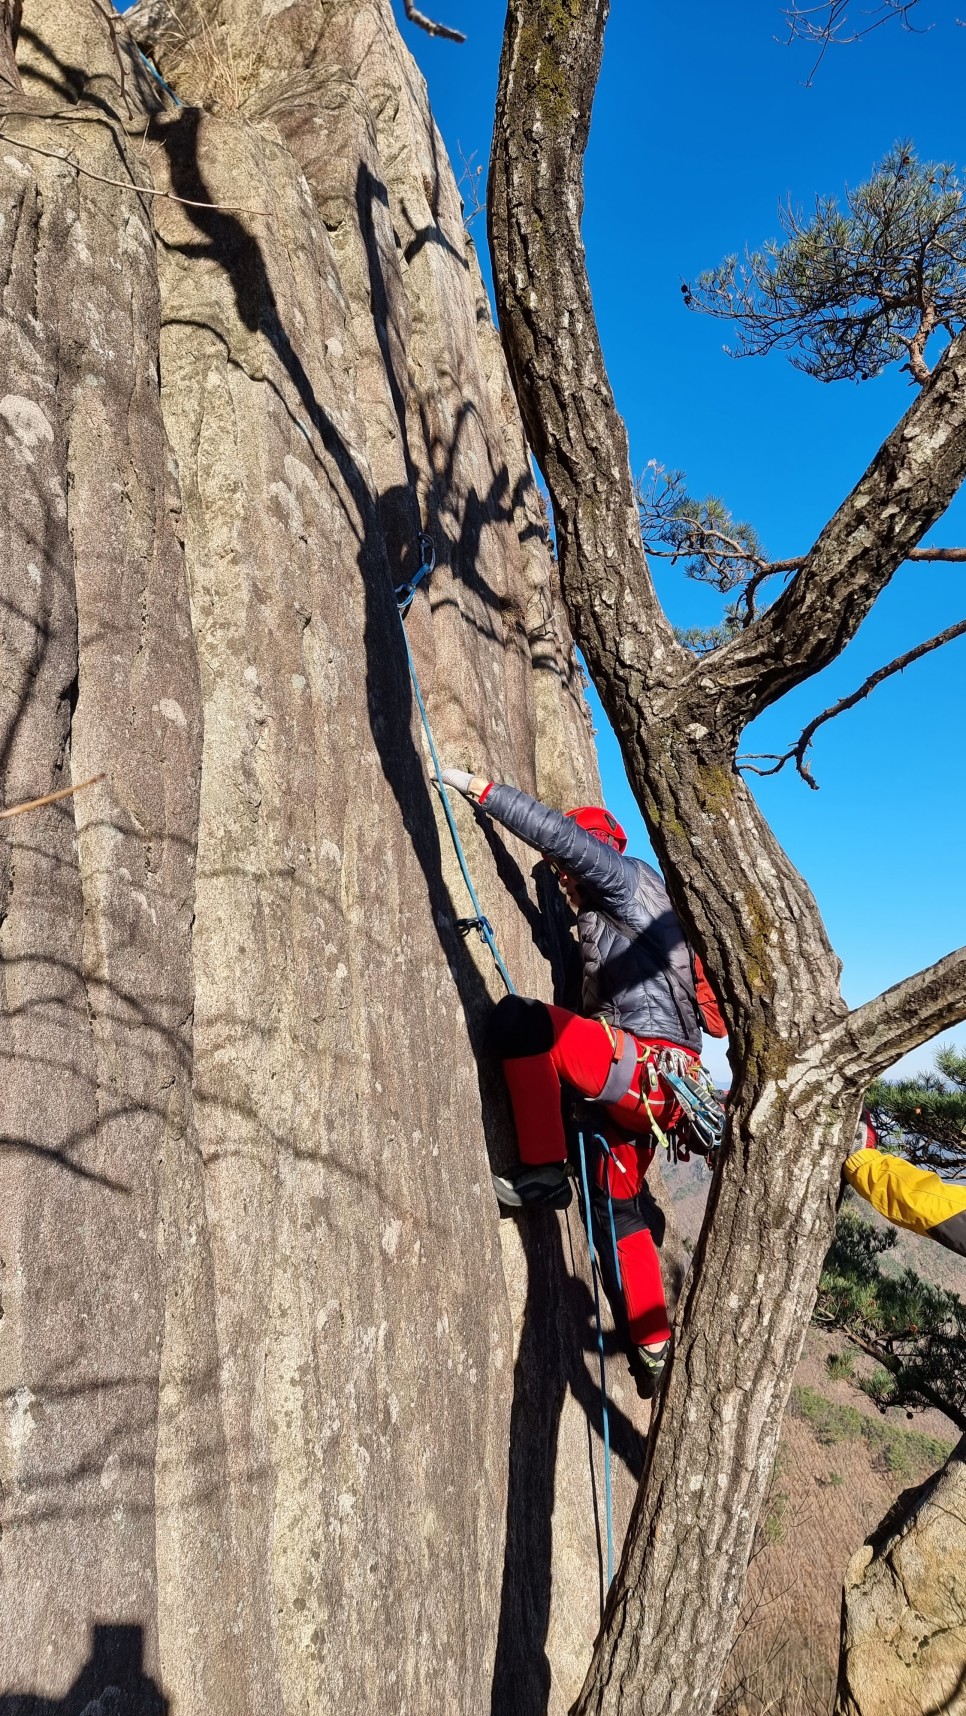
(151, 68)
(608, 1510)
(404, 597)
(608, 1152)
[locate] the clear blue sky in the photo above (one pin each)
(702, 125)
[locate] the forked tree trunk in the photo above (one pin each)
(800, 1060)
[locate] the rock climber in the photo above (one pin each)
(906, 1195)
(641, 986)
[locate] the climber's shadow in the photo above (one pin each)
(557, 1356)
(558, 1346)
(112, 1680)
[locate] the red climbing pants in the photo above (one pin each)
(546, 1047)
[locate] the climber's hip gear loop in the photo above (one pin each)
(675, 1081)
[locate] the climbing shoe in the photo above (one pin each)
(653, 1362)
(547, 1185)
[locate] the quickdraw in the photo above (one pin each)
(703, 1118)
(703, 1112)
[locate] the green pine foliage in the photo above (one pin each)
(924, 1118)
(702, 537)
(857, 287)
(844, 292)
(917, 1332)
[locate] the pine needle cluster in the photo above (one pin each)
(924, 1118)
(853, 288)
(916, 1331)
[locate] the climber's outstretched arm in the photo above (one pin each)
(608, 878)
(909, 1196)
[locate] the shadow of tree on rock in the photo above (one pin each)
(112, 1682)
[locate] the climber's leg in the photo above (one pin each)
(541, 1047)
(637, 1222)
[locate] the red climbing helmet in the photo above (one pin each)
(600, 824)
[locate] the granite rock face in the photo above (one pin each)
(904, 1620)
(291, 1419)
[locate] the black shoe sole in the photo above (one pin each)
(509, 1198)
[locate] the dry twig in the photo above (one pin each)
(473, 203)
(826, 24)
(110, 18)
(125, 184)
(799, 749)
(50, 797)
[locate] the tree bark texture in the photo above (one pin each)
(800, 1062)
(274, 1373)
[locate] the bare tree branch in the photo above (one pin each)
(472, 179)
(121, 184)
(431, 28)
(50, 797)
(827, 24)
(876, 1035)
(110, 17)
(799, 749)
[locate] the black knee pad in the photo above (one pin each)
(520, 1027)
(631, 1215)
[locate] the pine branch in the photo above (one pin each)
(906, 488)
(877, 1034)
(932, 556)
(799, 749)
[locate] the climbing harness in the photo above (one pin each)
(594, 1270)
(701, 1127)
(404, 595)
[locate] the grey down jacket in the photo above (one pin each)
(637, 970)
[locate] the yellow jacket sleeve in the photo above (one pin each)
(911, 1197)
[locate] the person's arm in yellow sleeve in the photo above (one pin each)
(911, 1197)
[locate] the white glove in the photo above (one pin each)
(469, 785)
